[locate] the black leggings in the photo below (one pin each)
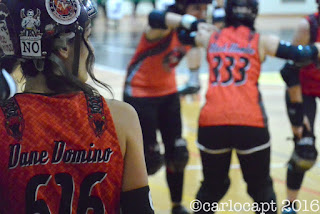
(161, 113)
(217, 143)
(295, 178)
(309, 109)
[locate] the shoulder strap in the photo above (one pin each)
(313, 21)
(14, 122)
(96, 115)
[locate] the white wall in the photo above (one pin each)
(289, 7)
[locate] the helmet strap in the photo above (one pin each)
(39, 64)
(76, 57)
(58, 61)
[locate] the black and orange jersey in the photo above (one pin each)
(233, 97)
(151, 72)
(59, 154)
(310, 75)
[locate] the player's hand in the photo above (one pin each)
(203, 26)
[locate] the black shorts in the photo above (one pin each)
(161, 113)
(222, 139)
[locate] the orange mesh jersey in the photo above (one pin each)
(310, 75)
(151, 72)
(233, 97)
(59, 154)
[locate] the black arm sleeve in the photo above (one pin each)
(157, 19)
(137, 201)
(187, 37)
(303, 55)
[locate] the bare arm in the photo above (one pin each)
(130, 137)
(269, 45)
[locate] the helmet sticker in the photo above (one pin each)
(30, 36)
(5, 42)
(64, 12)
(90, 7)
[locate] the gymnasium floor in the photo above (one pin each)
(114, 48)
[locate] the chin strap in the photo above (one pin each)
(55, 59)
(76, 57)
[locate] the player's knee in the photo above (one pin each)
(154, 159)
(304, 155)
(261, 190)
(179, 157)
(211, 191)
(290, 74)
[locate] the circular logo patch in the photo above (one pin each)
(63, 11)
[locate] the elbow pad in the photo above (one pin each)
(218, 15)
(290, 74)
(300, 54)
(157, 19)
(137, 201)
(187, 37)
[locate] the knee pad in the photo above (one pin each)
(290, 74)
(211, 193)
(178, 160)
(304, 155)
(154, 159)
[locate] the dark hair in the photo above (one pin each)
(62, 82)
(231, 21)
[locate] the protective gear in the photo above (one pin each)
(295, 111)
(218, 15)
(193, 84)
(7, 85)
(187, 37)
(189, 22)
(241, 12)
(157, 19)
(154, 159)
(32, 27)
(303, 55)
(137, 201)
(180, 6)
(290, 74)
(304, 155)
(180, 156)
(188, 2)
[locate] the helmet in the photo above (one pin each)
(181, 5)
(241, 12)
(29, 28)
(187, 2)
